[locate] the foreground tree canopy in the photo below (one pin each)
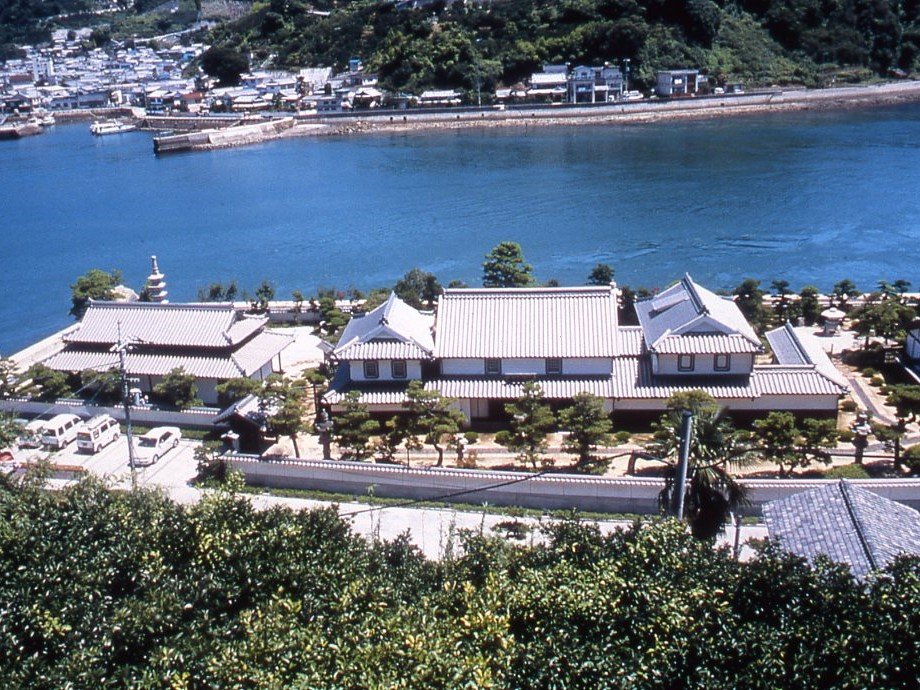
(118, 590)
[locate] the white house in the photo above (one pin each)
(488, 342)
(213, 342)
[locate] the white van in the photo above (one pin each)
(97, 433)
(61, 430)
(31, 436)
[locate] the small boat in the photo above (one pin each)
(19, 130)
(46, 121)
(111, 127)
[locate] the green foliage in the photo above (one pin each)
(912, 459)
(210, 464)
(94, 284)
(265, 293)
(783, 442)
(102, 387)
(809, 307)
(129, 590)
(531, 421)
(10, 378)
(906, 400)
(749, 298)
(853, 471)
(418, 289)
(218, 292)
(333, 319)
(433, 417)
(178, 388)
(354, 428)
(235, 389)
(715, 448)
(10, 430)
(285, 398)
(226, 64)
(588, 426)
(885, 317)
(601, 274)
(50, 384)
(505, 267)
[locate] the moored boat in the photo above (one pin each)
(111, 127)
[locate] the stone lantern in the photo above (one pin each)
(832, 317)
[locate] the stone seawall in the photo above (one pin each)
(222, 138)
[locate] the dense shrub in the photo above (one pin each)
(129, 590)
(847, 472)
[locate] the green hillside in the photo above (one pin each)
(811, 42)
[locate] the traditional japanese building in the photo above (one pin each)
(482, 345)
(213, 342)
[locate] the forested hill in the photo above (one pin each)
(455, 45)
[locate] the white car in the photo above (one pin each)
(155, 444)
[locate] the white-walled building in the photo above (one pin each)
(484, 344)
(213, 342)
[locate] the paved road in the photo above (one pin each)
(433, 530)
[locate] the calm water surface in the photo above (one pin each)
(811, 198)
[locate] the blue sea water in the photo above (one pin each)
(806, 197)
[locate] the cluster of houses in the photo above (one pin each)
(481, 345)
(67, 75)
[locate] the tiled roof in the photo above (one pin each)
(845, 523)
(168, 325)
(705, 344)
(382, 349)
(145, 364)
(256, 353)
(633, 379)
(245, 361)
(687, 308)
(799, 346)
(781, 379)
(527, 322)
(394, 320)
(502, 389)
(629, 341)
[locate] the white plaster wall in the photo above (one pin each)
(527, 365)
(705, 365)
(586, 366)
(462, 367)
(413, 371)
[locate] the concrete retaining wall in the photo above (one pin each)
(552, 492)
(197, 418)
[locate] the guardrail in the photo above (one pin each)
(542, 491)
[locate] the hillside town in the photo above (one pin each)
(73, 74)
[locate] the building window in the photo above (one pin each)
(493, 367)
(553, 366)
(398, 368)
(371, 369)
(685, 363)
(722, 363)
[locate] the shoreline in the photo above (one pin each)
(629, 113)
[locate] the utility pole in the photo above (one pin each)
(625, 75)
(121, 348)
(680, 485)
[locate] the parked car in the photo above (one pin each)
(31, 436)
(61, 430)
(155, 444)
(97, 433)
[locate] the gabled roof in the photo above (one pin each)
(528, 322)
(394, 330)
(216, 325)
(797, 346)
(245, 361)
(845, 523)
(674, 321)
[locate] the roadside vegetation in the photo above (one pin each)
(130, 590)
